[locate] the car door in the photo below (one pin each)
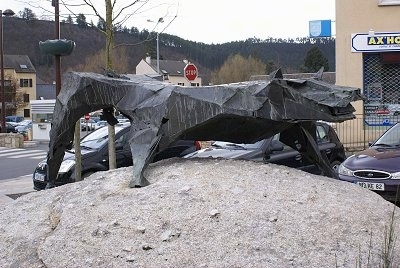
(287, 156)
(281, 154)
(123, 152)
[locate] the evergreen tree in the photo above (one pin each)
(69, 20)
(101, 24)
(314, 60)
(81, 20)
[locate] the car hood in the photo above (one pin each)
(375, 158)
(224, 153)
(85, 153)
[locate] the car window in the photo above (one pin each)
(123, 139)
(98, 138)
(322, 135)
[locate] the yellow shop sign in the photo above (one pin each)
(371, 42)
(383, 40)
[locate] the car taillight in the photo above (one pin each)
(197, 144)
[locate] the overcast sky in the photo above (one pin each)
(207, 21)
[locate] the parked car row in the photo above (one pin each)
(94, 150)
(375, 168)
(17, 124)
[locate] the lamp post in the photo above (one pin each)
(160, 20)
(7, 12)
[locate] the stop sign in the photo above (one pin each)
(87, 117)
(190, 71)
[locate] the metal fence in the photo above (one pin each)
(356, 135)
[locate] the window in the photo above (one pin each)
(181, 84)
(25, 83)
(7, 83)
(26, 98)
(27, 113)
(322, 136)
(195, 84)
(388, 2)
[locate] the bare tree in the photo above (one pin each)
(238, 68)
(27, 14)
(113, 19)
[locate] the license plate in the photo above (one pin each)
(39, 177)
(372, 185)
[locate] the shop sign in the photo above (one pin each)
(367, 42)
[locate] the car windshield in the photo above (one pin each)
(98, 138)
(390, 137)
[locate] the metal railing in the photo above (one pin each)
(356, 135)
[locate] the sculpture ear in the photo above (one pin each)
(318, 75)
(276, 74)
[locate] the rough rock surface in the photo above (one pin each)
(198, 213)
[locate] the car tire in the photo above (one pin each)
(335, 165)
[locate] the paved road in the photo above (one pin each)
(16, 162)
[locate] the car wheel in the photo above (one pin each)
(335, 165)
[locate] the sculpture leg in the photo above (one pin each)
(320, 159)
(143, 144)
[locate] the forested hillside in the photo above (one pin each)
(23, 36)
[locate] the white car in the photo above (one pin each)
(100, 124)
(23, 126)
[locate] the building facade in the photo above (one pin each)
(368, 57)
(171, 71)
(19, 84)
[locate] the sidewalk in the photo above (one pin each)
(12, 188)
(16, 186)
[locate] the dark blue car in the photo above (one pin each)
(378, 167)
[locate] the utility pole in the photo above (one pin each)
(57, 57)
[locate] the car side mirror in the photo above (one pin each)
(370, 143)
(276, 146)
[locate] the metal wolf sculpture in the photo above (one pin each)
(161, 113)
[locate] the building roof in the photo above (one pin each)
(170, 67)
(20, 63)
(329, 77)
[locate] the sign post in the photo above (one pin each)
(190, 71)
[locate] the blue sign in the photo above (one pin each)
(320, 28)
(385, 122)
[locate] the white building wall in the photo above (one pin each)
(144, 68)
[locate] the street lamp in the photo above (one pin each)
(160, 20)
(7, 12)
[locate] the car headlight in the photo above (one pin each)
(396, 176)
(66, 165)
(344, 171)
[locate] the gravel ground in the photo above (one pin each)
(198, 213)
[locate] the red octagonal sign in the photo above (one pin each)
(190, 71)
